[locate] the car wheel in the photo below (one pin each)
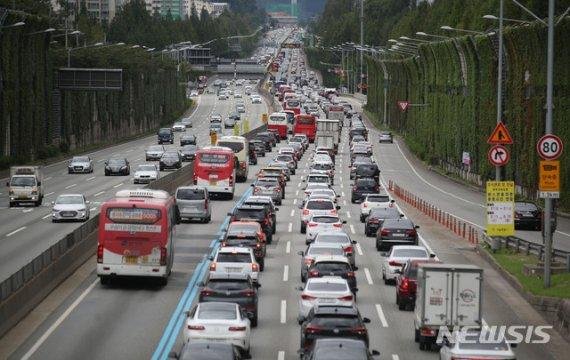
(162, 281)
(269, 238)
(106, 173)
(303, 228)
(12, 204)
(69, 171)
(254, 321)
(261, 264)
(105, 280)
(53, 221)
(416, 335)
(423, 346)
(401, 305)
(377, 245)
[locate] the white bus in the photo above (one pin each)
(240, 147)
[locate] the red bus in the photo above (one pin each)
(215, 169)
(278, 121)
(136, 231)
(305, 124)
(292, 104)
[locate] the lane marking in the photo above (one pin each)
(292, 212)
(283, 312)
(381, 315)
(368, 276)
(15, 231)
(359, 249)
(45, 217)
(71, 186)
(342, 193)
(295, 202)
(288, 247)
(46, 179)
(116, 186)
(91, 178)
(297, 193)
(348, 214)
(299, 185)
(395, 357)
(27, 210)
(286, 273)
(49, 193)
(344, 202)
(63, 316)
(93, 208)
(290, 227)
(99, 193)
(281, 355)
(352, 229)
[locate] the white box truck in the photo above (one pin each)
(449, 296)
(25, 185)
(328, 134)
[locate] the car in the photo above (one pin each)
(331, 290)
(527, 216)
(406, 283)
(229, 123)
(289, 160)
(322, 167)
(170, 160)
(318, 179)
(259, 147)
(154, 152)
(338, 238)
(145, 173)
(255, 99)
(396, 232)
(247, 234)
(337, 349)
(240, 108)
(288, 150)
(302, 138)
(216, 128)
(165, 135)
(332, 321)
(67, 207)
(80, 164)
(312, 251)
(193, 93)
(397, 257)
(373, 201)
(237, 95)
(217, 82)
(234, 260)
(222, 96)
(333, 265)
(188, 152)
(298, 147)
(316, 207)
(117, 166)
(319, 223)
(275, 172)
(177, 127)
(232, 288)
(261, 214)
(385, 137)
(377, 216)
(267, 139)
(219, 321)
(361, 187)
(312, 188)
(267, 203)
(476, 344)
(206, 350)
(367, 171)
(215, 118)
(193, 202)
(188, 139)
(235, 116)
(357, 161)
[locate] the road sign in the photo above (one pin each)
(500, 136)
(549, 179)
(549, 147)
(264, 118)
(498, 155)
(500, 208)
(213, 137)
(403, 105)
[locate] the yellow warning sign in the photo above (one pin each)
(500, 208)
(549, 179)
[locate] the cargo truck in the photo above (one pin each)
(328, 134)
(25, 185)
(447, 296)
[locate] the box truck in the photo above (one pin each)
(25, 185)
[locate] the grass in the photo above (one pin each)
(513, 263)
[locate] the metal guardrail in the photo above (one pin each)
(528, 247)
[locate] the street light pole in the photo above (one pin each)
(361, 41)
(500, 79)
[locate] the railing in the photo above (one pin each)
(528, 247)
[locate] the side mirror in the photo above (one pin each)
(229, 214)
(445, 342)
(366, 320)
(417, 227)
(39, 183)
(375, 353)
(344, 221)
(7, 183)
(338, 207)
(257, 285)
(201, 284)
(353, 242)
(392, 201)
(211, 258)
(300, 288)
(53, 202)
(300, 206)
(513, 345)
(172, 355)
(432, 256)
(87, 202)
(397, 271)
(401, 215)
(302, 253)
(355, 290)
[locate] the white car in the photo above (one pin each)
(316, 207)
(329, 290)
(318, 179)
(145, 173)
(222, 96)
(470, 346)
(178, 127)
(218, 322)
(372, 201)
(235, 260)
(314, 250)
(398, 256)
(80, 164)
(256, 99)
(216, 118)
(238, 95)
(323, 194)
(70, 207)
(193, 93)
(318, 223)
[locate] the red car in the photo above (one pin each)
(406, 284)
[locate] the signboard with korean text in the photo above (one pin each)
(500, 208)
(549, 179)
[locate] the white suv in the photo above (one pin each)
(235, 260)
(372, 201)
(316, 207)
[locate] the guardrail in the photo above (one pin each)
(528, 247)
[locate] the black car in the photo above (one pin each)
(358, 131)
(235, 116)
(363, 186)
(165, 135)
(267, 138)
(268, 204)
(377, 216)
(255, 213)
(275, 133)
(396, 232)
(527, 216)
(359, 160)
(259, 147)
(117, 166)
(188, 139)
(170, 160)
(235, 288)
(242, 234)
(333, 267)
(329, 321)
(367, 171)
(188, 152)
(207, 350)
(252, 154)
(338, 349)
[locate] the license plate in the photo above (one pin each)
(190, 209)
(326, 301)
(233, 269)
(213, 182)
(66, 214)
(398, 235)
(131, 260)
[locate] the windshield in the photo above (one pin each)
(81, 159)
(235, 146)
(320, 205)
(276, 118)
(117, 162)
(378, 198)
(133, 215)
(68, 199)
(190, 194)
(155, 148)
(146, 168)
(214, 158)
(305, 120)
(293, 103)
(164, 132)
(189, 148)
(23, 181)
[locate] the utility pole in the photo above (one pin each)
(548, 130)
(500, 79)
(361, 41)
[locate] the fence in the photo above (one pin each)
(528, 247)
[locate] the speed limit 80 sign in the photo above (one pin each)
(549, 147)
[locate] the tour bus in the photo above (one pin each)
(292, 104)
(240, 147)
(305, 124)
(136, 231)
(278, 121)
(215, 168)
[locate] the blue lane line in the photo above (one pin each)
(176, 321)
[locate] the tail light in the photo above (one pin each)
(163, 254)
(354, 188)
(242, 165)
(364, 205)
(425, 331)
(195, 179)
(254, 267)
(266, 221)
(333, 212)
(206, 292)
(346, 298)
(360, 330)
(337, 225)
(313, 273)
(258, 245)
(248, 293)
(374, 221)
(348, 250)
(405, 284)
(313, 329)
(206, 204)
(278, 189)
(394, 263)
(231, 180)
(308, 261)
(256, 190)
(100, 254)
(213, 266)
(411, 232)
(517, 215)
(308, 297)
(237, 328)
(224, 244)
(196, 327)
(377, 188)
(312, 224)
(305, 212)
(350, 274)
(385, 232)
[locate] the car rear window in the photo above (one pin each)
(385, 213)
(325, 219)
(320, 205)
(318, 179)
(397, 224)
(332, 238)
(325, 251)
(323, 286)
(322, 166)
(525, 207)
(228, 284)
(335, 321)
(234, 257)
(340, 353)
(365, 183)
(190, 194)
(415, 253)
(250, 213)
(214, 314)
(378, 198)
(214, 158)
(332, 266)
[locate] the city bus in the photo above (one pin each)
(305, 124)
(240, 147)
(215, 169)
(278, 121)
(292, 104)
(135, 238)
